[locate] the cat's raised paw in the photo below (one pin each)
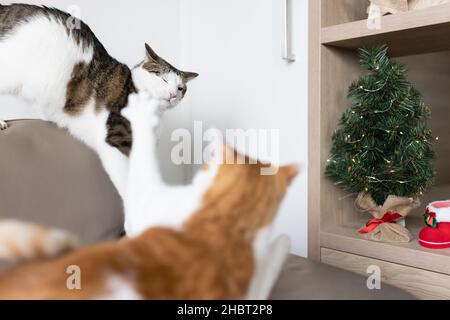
(3, 125)
(141, 108)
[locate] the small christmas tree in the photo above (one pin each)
(383, 146)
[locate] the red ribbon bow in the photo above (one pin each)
(389, 217)
(430, 218)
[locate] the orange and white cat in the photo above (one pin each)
(201, 241)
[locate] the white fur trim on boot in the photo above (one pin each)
(441, 209)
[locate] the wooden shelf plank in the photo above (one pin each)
(412, 254)
(408, 33)
(423, 284)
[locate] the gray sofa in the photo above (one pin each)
(48, 177)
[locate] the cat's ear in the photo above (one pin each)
(151, 55)
(188, 76)
(290, 172)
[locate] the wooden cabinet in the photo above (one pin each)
(420, 39)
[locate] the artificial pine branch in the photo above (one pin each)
(382, 146)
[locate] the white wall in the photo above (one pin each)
(236, 47)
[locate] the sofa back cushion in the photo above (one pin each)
(50, 178)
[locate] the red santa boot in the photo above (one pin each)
(436, 238)
(437, 218)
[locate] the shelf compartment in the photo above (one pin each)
(339, 220)
(408, 33)
(346, 239)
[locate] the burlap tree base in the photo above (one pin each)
(384, 226)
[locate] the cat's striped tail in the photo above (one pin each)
(23, 241)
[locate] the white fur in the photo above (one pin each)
(58, 241)
(18, 234)
(162, 87)
(3, 125)
(36, 63)
(20, 241)
(269, 258)
(119, 288)
(149, 201)
(261, 243)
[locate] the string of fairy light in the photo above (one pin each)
(355, 142)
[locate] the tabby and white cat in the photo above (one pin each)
(206, 244)
(70, 78)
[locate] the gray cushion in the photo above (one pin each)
(303, 279)
(50, 178)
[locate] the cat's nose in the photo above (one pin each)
(173, 95)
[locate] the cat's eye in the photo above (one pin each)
(164, 80)
(180, 88)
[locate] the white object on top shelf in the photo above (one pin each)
(396, 6)
(422, 4)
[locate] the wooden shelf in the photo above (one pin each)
(408, 33)
(346, 239)
(421, 39)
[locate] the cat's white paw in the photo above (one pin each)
(142, 107)
(3, 125)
